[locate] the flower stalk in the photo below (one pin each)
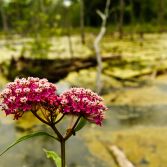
(39, 96)
(63, 155)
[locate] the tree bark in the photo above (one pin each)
(121, 18)
(141, 32)
(82, 6)
(161, 13)
(67, 24)
(4, 17)
(132, 18)
(42, 6)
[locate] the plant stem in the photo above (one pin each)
(63, 156)
(72, 129)
(42, 120)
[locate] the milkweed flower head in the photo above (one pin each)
(28, 94)
(84, 102)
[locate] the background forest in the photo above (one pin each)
(18, 16)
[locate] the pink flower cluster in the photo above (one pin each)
(80, 101)
(33, 93)
(27, 94)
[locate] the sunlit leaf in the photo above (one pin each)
(54, 156)
(29, 136)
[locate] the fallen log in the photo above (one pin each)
(53, 69)
(120, 157)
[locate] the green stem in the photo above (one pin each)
(57, 132)
(59, 119)
(42, 120)
(63, 156)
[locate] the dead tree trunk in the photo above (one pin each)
(3, 16)
(42, 6)
(161, 14)
(82, 21)
(121, 18)
(99, 37)
(68, 31)
(132, 18)
(141, 32)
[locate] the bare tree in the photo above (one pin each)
(42, 6)
(161, 13)
(121, 18)
(97, 41)
(141, 18)
(3, 16)
(132, 17)
(82, 6)
(68, 28)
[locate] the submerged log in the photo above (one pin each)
(53, 69)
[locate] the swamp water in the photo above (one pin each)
(136, 122)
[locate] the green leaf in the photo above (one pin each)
(29, 136)
(54, 156)
(81, 124)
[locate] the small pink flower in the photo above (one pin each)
(23, 99)
(38, 90)
(84, 102)
(26, 94)
(19, 90)
(12, 98)
(7, 91)
(26, 90)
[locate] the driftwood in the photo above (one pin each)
(120, 157)
(54, 70)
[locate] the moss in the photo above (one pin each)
(140, 145)
(98, 150)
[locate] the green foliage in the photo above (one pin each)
(29, 136)
(54, 156)
(40, 16)
(75, 14)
